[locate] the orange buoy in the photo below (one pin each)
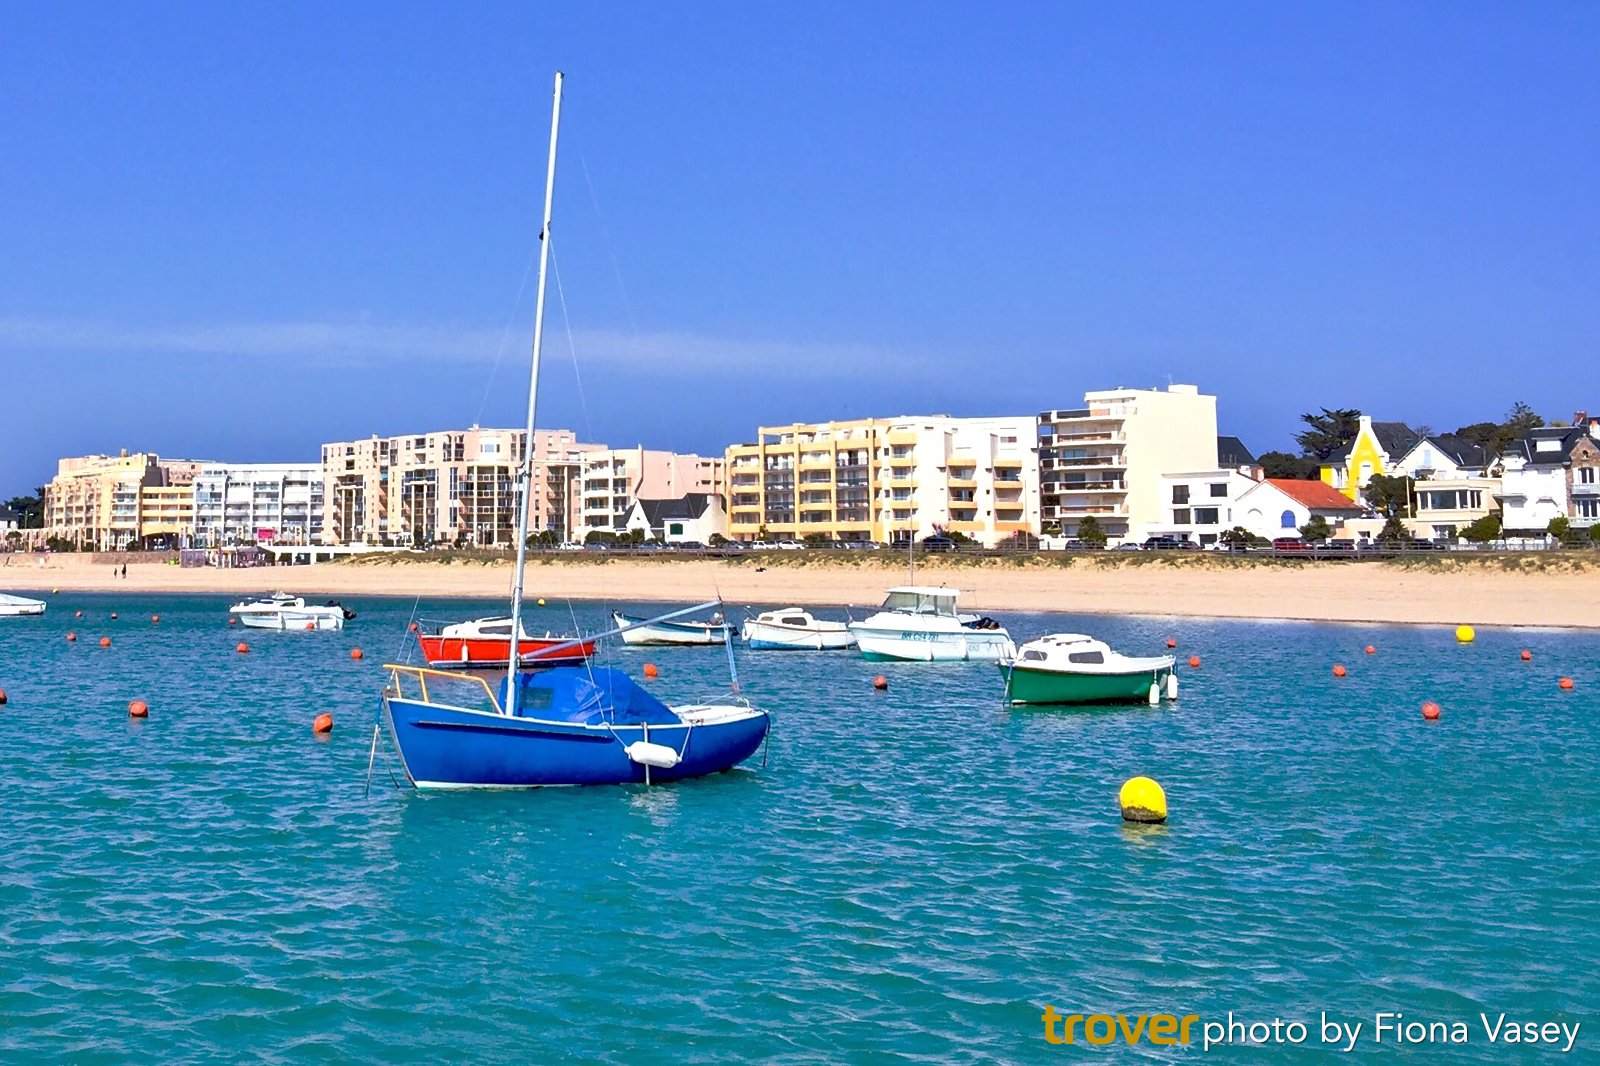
(1171, 643)
(650, 670)
(1194, 660)
(413, 627)
(322, 724)
(1339, 670)
(3, 696)
(105, 642)
(1430, 711)
(1565, 683)
(311, 625)
(243, 648)
(1371, 650)
(155, 619)
(77, 614)
(880, 683)
(233, 621)
(138, 709)
(72, 638)
(1527, 656)
(355, 653)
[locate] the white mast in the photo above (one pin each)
(526, 477)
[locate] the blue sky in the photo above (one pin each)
(235, 233)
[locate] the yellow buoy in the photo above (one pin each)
(541, 601)
(1465, 634)
(1142, 800)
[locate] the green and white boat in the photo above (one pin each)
(1074, 668)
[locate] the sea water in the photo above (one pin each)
(906, 875)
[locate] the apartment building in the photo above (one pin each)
(112, 502)
(886, 479)
(451, 486)
(247, 503)
(1106, 459)
(612, 480)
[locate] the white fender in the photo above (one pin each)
(647, 754)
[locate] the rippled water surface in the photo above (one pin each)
(911, 876)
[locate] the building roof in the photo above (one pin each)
(1464, 453)
(687, 507)
(1396, 438)
(1232, 452)
(1566, 436)
(8, 516)
(1316, 495)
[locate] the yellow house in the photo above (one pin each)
(1377, 447)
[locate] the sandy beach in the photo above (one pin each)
(1532, 592)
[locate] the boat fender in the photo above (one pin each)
(1172, 686)
(647, 754)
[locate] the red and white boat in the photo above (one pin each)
(486, 643)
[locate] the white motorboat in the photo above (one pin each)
(17, 606)
(1074, 668)
(920, 623)
(794, 627)
(695, 633)
(283, 611)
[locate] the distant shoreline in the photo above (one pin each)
(1561, 592)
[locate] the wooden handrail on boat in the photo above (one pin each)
(422, 673)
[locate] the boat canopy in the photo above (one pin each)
(922, 599)
(589, 697)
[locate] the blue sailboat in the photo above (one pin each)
(563, 726)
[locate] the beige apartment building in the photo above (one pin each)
(613, 479)
(886, 479)
(1107, 459)
(452, 486)
(110, 502)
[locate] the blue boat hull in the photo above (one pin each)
(446, 747)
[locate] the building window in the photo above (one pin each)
(1588, 508)
(1586, 475)
(675, 529)
(1286, 520)
(1180, 494)
(1180, 516)
(1205, 516)
(1219, 488)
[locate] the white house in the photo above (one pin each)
(1551, 472)
(1278, 507)
(1453, 484)
(692, 518)
(1200, 506)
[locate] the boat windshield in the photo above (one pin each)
(922, 603)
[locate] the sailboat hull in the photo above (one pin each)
(443, 747)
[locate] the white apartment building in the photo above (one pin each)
(612, 480)
(1106, 459)
(249, 503)
(451, 486)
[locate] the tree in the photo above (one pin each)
(1316, 530)
(1394, 531)
(1236, 539)
(1328, 433)
(1090, 533)
(816, 540)
(1390, 496)
(1566, 534)
(30, 509)
(1484, 529)
(1520, 419)
(716, 540)
(1021, 540)
(1282, 464)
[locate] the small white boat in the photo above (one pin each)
(283, 611)
(1073, 668)
(794, 627)
(17, 606)
(919, 623)
(695, 633)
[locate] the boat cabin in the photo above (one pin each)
(922, 599)
(1078, 648)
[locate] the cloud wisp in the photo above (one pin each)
(364, 343)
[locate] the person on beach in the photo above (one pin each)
(124, 569)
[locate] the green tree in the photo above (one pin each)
(816, 540)
(717, 540)
(1390, 496)
(1284, 465)
(1316, 530)
(1485, 529)
(1567, 534)
(1520, 419)
(1236, 539)
(1394, 531)
(30, 509)
(1090, 532)
(1328, 433)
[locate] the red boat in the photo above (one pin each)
(486, 643)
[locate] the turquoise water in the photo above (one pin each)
(912, 876)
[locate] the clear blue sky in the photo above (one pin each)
(232, 232)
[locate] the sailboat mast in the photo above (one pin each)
(526, 477)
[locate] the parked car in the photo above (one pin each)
(1166, 543)
(1289, 544)
(938, 542)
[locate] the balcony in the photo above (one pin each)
(967, 483)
